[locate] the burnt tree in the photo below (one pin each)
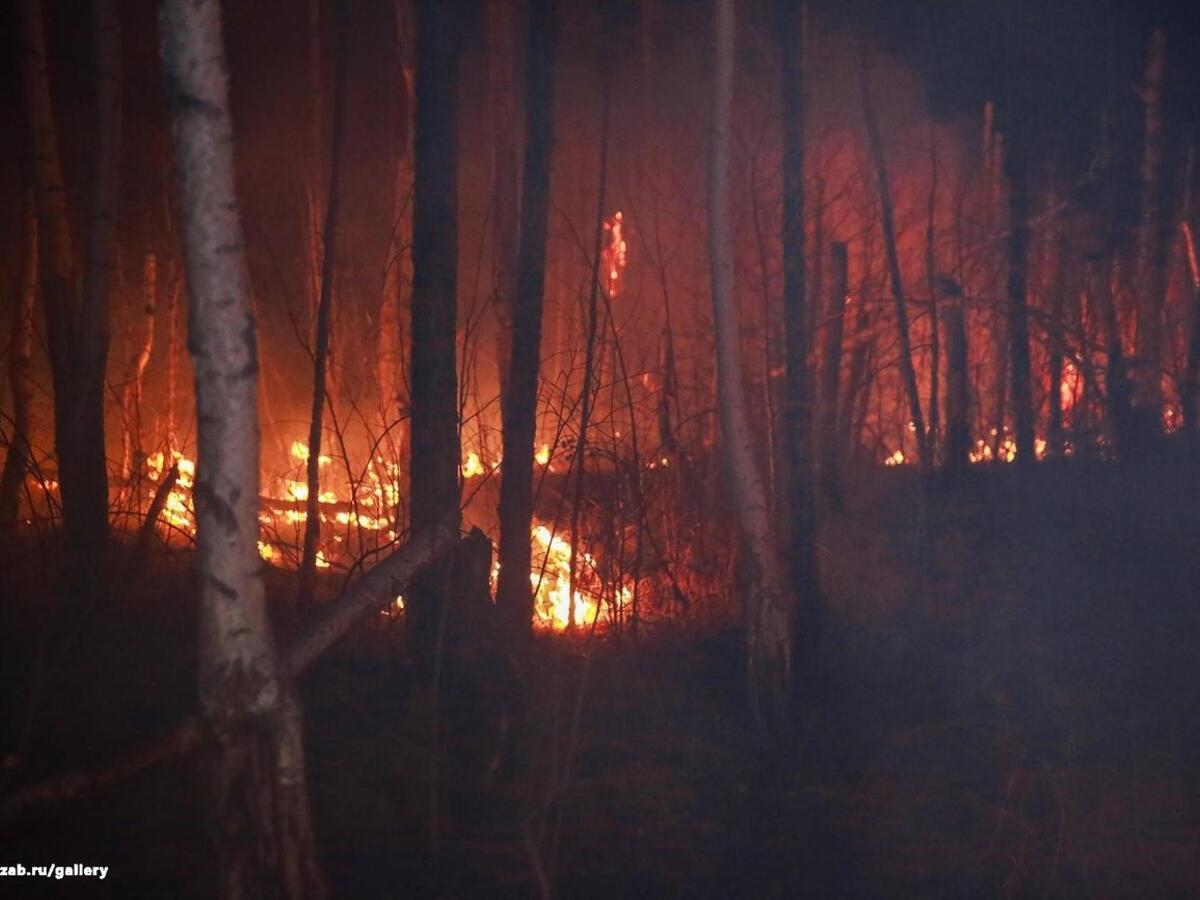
(434, 461)
(77, 321)
(797, 412)
(907, 370)
(333, 205)
(17, 460)
(513, 592)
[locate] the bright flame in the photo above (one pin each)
(472, 466)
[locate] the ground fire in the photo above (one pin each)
(543, 448)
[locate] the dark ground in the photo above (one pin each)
(1009, 708)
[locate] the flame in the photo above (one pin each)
(472, 466)
(615, 255)
(371, 502)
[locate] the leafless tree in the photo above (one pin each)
(77, 320)
(513, 593)
(257, 789)
(768, 606)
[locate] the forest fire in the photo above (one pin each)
(545, 448)
(555, 607)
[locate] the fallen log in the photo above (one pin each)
(373, 591)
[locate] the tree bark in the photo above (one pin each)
(77, 324)
(1190, 389)
(767, 605)
(131, 399)
(312, 518)
(20, 373)
(586, 397)
(935, 345)
(907, 371)
(513, 592)
(1056, 339)
(257, 794)
(1152, 245)
(1018, 272)
(505, 212)
(831, 368)
(798, 412)
(436, 454)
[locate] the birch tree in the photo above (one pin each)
(767, 603)
(256, 785)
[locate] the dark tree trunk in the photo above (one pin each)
(1118, 389)
(505, 214)
(20, 374)
(257, 791)
(1017, 161)
(935, 344)
(907, 370)
(436, 454)
(587, 397)
(1056, 342)
(513, 592)
(958, 389)
(797, 412)
(77, 325)
(831, 368)
(1152, 246)
(312, 520)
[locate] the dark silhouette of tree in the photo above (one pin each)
(435, 458)
(513, 592)
(77, 320)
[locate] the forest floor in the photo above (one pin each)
(1008, 706)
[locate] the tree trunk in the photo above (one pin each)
(435, 458)
(505, 214)
(1152, 246)
(907, 371)
(131, 399)
(767, 604)
(1116, 378)
(587, 395)
(172, 358)
(312, 518)
(831, 368)
(257, 793)
(798, 414)
(1018, 273)
(935, 344)
(20, 374)
(958, 389)
(77, 326)
(1189, 392)
(513, 592)
(1056, 340)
